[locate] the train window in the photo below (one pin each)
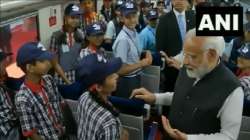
(15, 34)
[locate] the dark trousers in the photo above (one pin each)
(126, 85)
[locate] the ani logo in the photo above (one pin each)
(219, 21)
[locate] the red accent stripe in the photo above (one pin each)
(29, 133)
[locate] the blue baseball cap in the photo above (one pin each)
(3, 55)
(95, 68)
(152, 14)
(73, 10)
(244, 51)
(118, 4)
(95, 28)
(129, 7)
(32, 51)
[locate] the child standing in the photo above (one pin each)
(147, 35)
(113, 27)
(38, 101)
(126, 46)
(67, 43)
(95, 36)
(9, 126)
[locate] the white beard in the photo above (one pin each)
(198, 73)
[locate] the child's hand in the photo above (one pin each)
(147, 60)
(124, 135)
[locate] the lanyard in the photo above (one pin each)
(134, 42)
(51, 111)
(70, 40)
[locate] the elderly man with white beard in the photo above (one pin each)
(207, 101)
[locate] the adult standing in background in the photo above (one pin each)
(161, 7)
(107, 10)
(170, 34)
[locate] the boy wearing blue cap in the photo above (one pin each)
(9, 125)
(95, 36)
(38, 102)
(98, 119)
(147, 35)
(67, 43)
(127, 48)
(243, 74)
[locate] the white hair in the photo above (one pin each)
(212, 42)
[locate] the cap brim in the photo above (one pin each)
(128, 12)
(76, 13)
(97, 33)
(113, 65)
(46, 56)
(153, 18)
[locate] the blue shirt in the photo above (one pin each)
(147, 39)
(126, 46)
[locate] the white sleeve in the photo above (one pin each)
(164, 98)
(110, 32)
(228, 49)
(230, 115)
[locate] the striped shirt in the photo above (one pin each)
(245, 83)
(7, 113)
(39, 110)
(96, 122)
(88, 50)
